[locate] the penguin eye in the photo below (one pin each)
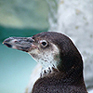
(44, 43)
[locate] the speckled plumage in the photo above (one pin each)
(62, 63)
(69, 78)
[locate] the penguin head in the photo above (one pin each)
(51, 49)
(59, 50)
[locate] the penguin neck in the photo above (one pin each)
(72, 74)
(69, 69)
(48, 69)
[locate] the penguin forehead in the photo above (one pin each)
(50, 36)
(53, 37)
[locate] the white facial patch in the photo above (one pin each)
(49, 58)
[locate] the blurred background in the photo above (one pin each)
(28, 17)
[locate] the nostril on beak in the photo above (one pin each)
(8, 45)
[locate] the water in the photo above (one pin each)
(15, 69)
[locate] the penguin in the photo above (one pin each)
(62, 64)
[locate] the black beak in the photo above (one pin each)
(20, 43)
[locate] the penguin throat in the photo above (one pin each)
(46, 71)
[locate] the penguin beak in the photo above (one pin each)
(20, 43)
